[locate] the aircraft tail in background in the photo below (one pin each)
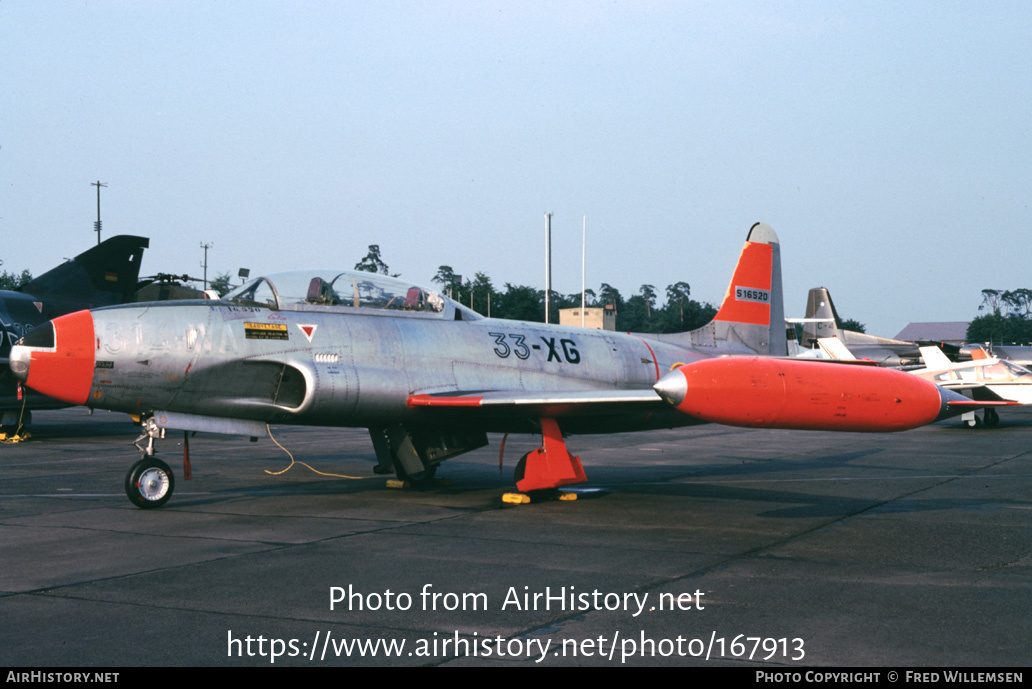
(103, 275)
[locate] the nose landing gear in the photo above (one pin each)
(150, 482)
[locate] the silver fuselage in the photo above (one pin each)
(359, 369)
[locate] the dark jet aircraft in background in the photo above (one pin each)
(822, 321)
(101, 276)
(430, 378)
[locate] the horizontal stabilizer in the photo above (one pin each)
(833, 347)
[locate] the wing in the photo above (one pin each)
(543, 404)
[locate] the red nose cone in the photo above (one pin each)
(805, 395)
(62, 368)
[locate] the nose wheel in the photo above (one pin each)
(149, 483)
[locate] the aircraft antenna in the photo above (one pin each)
(96, 226)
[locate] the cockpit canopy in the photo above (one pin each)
(989, 371)
(294, 291)
(343, 290)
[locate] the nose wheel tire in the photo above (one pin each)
(149, 483)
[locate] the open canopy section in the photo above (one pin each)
(338, 290)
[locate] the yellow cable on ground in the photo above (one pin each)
(294, 461)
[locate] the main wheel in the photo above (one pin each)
(992, 419)
(149, 483)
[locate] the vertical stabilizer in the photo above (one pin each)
(934, 358)
(104, 275)
(821, 318)
(751, 318)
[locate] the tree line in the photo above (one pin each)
(1008, 317)
(638, 313)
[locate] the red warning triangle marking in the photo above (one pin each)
(38, 305)
(308, 330)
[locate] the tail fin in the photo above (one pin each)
(821, 319)
(106, 274)
(751, 318)
(934, 358)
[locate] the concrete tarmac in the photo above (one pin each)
(700, 546)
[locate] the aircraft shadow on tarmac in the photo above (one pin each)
(689, 481)
(686, 466)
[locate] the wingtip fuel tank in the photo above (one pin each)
(762, 392)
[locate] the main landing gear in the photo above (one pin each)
(990, 418)
(541, 472)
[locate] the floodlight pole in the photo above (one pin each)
(96, 226)
(548, 263)
(205, 264)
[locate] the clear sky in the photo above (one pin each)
(887, 143)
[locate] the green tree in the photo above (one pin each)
(221, 284)
(648, 295)
(992, 300)
(372, 263)
(482, 294)
(1019, 301)
(13, 280)
(678, 296)
(607, 294)
(988, 328)
(521, 303)
(852, 324)
(450, 282)
(1008, 319)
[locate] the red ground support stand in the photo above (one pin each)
(551, 465)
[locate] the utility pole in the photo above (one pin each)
(205, 264)
(548, 263)
(96, 226)
(583, 246)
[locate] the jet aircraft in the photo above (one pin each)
(102, 275)
(822, 321)
(429, 378)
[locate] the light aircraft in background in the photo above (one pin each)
(102, 275)
(984, 378)
(430, 378)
